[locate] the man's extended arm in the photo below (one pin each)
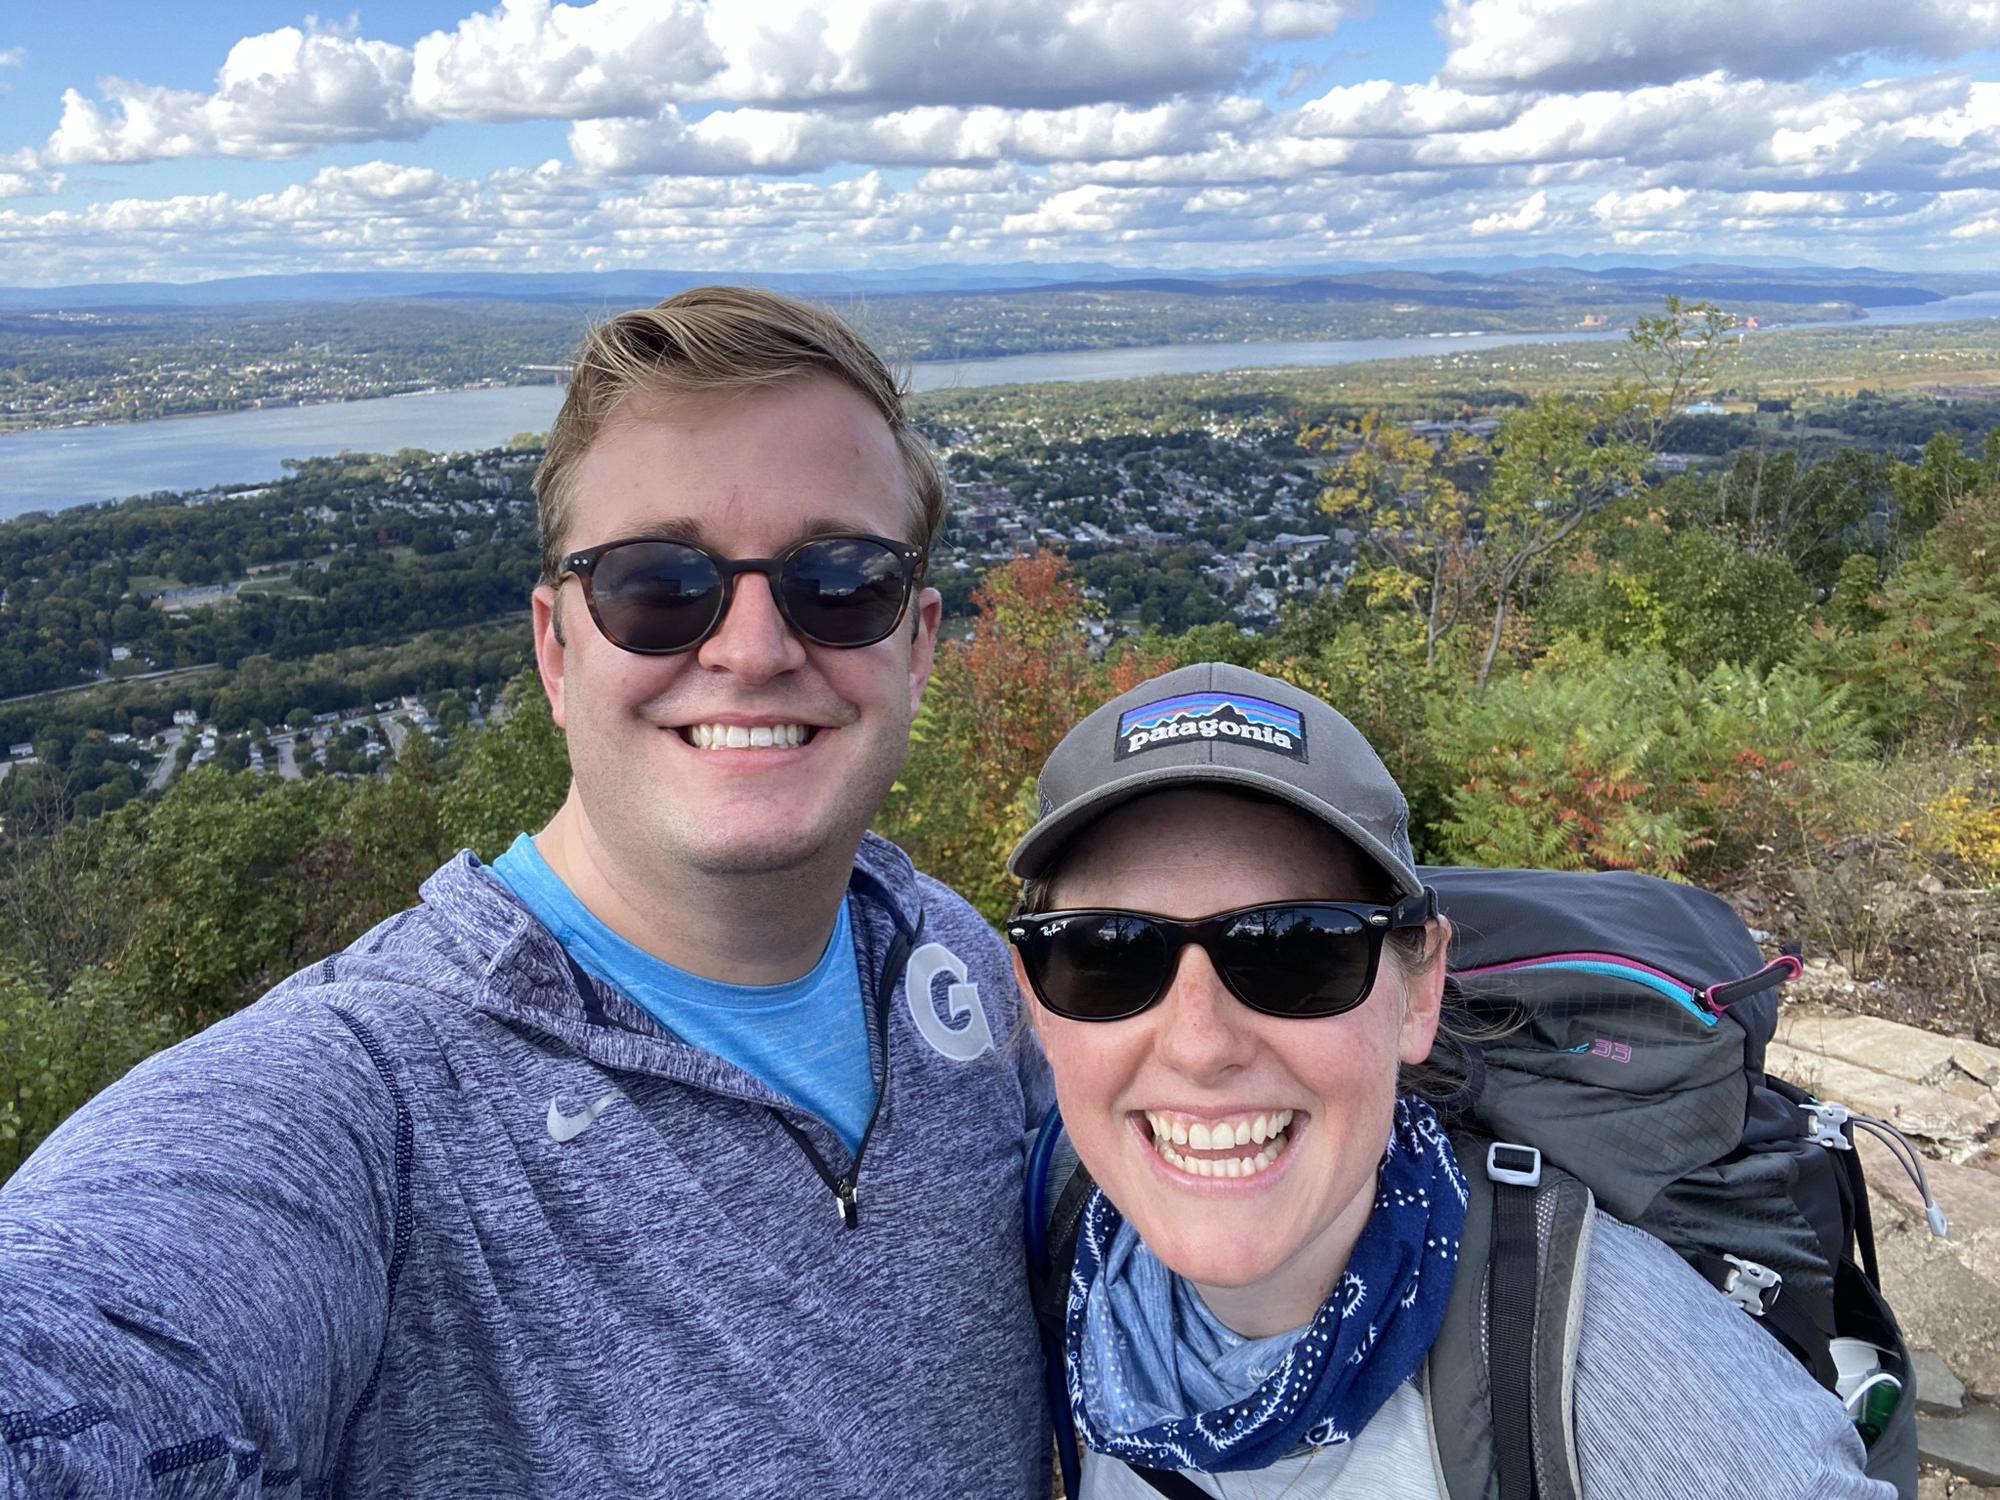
(195, 1269)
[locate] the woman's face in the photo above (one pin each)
(1263, 1247)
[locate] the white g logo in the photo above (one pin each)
(962, 1043)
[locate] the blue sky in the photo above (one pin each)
(144, 141)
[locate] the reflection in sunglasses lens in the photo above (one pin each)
(844, 591)
(1301, 959)
(1108, 965)
(655, 596)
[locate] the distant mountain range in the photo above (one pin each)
(1511, 289)
(1501, 282)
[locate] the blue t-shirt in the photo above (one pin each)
(807, 1038)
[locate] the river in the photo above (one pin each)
(77, 465)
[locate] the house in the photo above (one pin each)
(22, 751)
(187, 718)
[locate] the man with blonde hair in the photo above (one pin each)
(678, 1152)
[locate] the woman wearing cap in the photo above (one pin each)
(1236, 962)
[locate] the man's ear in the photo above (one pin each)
(544, 605)
(929, 610)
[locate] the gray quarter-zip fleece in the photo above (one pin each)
(442, 1217)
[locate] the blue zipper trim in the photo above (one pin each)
(1673, 992)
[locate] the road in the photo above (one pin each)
(164, 771)
(84, 687)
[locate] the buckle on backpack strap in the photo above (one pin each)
(1823, 1122)
(1519, 1165)
(1750, 1286)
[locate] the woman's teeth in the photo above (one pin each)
(747, 737)
(1267, 1130)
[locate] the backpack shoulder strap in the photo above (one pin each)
(1054, 1192)
(1499, 1376)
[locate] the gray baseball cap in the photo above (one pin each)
(1217, 725)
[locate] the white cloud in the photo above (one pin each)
(1793, 205)
(529, 59)
(384, 214)
(1649, 206)
(13, 57)
(1566, 44)
(1380, 108)
(281, 93)
(1027, 53)
(836, 131)
(285, 92)
(793, 141)
(1518, 220)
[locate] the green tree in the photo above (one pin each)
(62, 907)
(217, 919)
(1927, 491)
(1419, 523)
(1927, 667)
(59, 1046)
(1554, 463)
(1775, 504)
(368, 864)
(512, 775)
(1695, 596)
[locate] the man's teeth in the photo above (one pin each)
(1224, 1135)
(747, 737)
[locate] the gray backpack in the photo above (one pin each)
(1626, 1072)
(1629, 1076)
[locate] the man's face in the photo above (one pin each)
(744, 475)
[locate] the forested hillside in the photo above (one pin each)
(1579, 640)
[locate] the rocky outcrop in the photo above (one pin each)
(1943, 1093)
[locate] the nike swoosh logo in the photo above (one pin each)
(566, 1128)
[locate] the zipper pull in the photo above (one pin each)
(1719, 997)
(846, 1202)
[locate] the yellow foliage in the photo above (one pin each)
(1958, 827)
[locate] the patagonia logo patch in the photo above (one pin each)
(1211, 716)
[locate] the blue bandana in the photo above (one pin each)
(1156, 1380)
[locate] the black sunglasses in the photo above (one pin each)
(659, 597)
(1297, 959)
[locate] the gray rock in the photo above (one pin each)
(1939, 1392)
(1934, 1483)
(1967, 1444)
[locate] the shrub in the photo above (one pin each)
(1695, 597)
(1960, 824)
(56, 1050)
(1630, 763)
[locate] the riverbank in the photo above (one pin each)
(63, 467)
